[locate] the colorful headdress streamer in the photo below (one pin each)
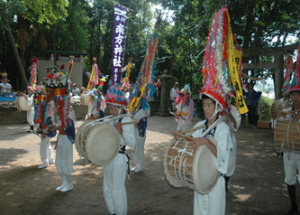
(128, 69)
(295, 84)
(219, 66)
(147, 72)
(33, 71)
(40, 104)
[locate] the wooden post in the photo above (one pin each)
(278, 75)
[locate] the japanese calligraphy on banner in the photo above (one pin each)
(120, 23)
(234, 73)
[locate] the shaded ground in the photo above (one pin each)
(256, 188)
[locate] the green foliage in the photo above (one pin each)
(45, 11)
(265, 108)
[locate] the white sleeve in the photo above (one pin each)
(128, 133)
(237, 117)
(223, 150)
(30, 100)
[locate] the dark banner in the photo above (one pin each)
(120, 24)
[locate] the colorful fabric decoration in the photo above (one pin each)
(295, 83)
(128, 70)
(33, 72)
(40, 104)
(57, 90)
(187, 101)
(147, 72)
(94, 75)
(116, 96)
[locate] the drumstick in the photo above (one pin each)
(182, 135)
(129, 123)
(290, 111)
(193, 129)
(174, 114)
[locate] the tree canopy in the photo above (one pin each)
(87, 26)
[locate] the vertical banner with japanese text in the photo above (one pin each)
(120, 23)
(234, 73)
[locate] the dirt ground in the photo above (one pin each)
(257, 186)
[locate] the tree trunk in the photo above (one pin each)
(54, 50)
(14, 47)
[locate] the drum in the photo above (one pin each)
(98, 142)
(278, 106)
(185, 167)
(85, 99)
(21, 103)
(287, 136)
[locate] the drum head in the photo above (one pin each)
(103, 144)
(205, 173)
(21, 104)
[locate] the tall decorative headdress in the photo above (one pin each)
(219, 66)
(57, 89)
(147, 72)
(116, 97)
(94, 75)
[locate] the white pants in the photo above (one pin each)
(114, 188)
(64, 155)
(46, 150)
(30, 115)
(213, 203)
(184, 127)
(291, 162)
(138, 154)
(232, 158)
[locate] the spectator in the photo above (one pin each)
(157, 87)
(110, 83)
(173, 95)
(75, 90)
(5, 87)
(257, 111)
(100, 76)
(251, 99)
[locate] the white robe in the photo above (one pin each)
(46, 150)
(184, 124)
(214, 203)
(291, 160)
(64, 152)
(138, 154)
(30, 112)
(232, 159)
(115, 173)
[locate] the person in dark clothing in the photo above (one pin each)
(251, 99)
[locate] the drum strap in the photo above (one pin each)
(122, 151)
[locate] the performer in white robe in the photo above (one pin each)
(291, 160)
(30, 112)
(213, 203)
(115, 172)
(62, 115)
(140, 114)
(185, 109)
(45, 147)
(234, 123)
